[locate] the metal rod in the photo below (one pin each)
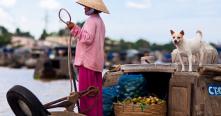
(54, 102)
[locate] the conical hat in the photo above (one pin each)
(96, 4)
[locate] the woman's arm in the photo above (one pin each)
(87, 33)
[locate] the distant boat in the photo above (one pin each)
(55, 66)
(6, 56)
(35, 54)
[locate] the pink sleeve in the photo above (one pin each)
(87, 33)
(75, 31)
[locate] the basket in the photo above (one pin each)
(111, 78)
(136, 110)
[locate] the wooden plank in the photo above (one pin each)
(180, 93)
(210, 70)
(170, 68)
(217, 78)
(65, 113)
(179, 99)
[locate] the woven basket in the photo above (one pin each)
(136, 110)
(111, 78)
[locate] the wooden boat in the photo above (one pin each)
(196, 93)
(55, 67)
(35, 54)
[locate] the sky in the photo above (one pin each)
(131, 20)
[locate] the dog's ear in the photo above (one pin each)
(182, 32)
(172, 32)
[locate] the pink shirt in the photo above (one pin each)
(90, 43)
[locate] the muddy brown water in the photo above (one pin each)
(45, 91)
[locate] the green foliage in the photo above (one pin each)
(80, 24)
(167, 47)
(5, 36)
(114, 45)
(44, 35)
(212, 44)
(141, 44)
(124, 45)
(18, 32)
(62, 32)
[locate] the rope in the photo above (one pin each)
(69, 64)
(59, 15)
(69, 45)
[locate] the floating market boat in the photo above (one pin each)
(186, 93)
(196, 93)
(53, 67)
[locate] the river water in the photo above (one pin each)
(45, 91)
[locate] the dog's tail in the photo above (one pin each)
(199, 34)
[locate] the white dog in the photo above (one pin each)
(188, 47)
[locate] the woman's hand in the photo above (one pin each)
(70, 25)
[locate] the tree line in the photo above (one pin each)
(115, 45)
(140, 44)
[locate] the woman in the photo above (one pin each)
(89, 57)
